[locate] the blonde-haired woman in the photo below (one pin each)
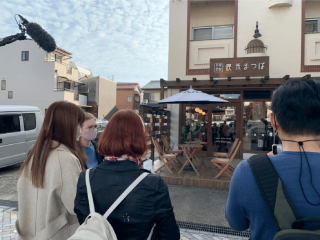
(48, 177)
(88, 133)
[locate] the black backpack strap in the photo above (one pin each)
(269, 184)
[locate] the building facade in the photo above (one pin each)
(151, 92)
(239, 50)
(83, 72)
(30, 76)
(128, 96)
(101, 95)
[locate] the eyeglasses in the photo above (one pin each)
(91, 129)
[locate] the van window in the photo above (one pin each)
(29, 121)
(9, 123)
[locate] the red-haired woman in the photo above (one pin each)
(123, 142)
(49, 175)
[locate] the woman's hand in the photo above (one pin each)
(270, 154)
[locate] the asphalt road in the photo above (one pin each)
(8, 182)
(191, 204)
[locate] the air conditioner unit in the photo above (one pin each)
(145, 101)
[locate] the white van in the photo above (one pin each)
(19, 129)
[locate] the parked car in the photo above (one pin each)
(101, 124)
(19, 129)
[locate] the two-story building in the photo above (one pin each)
(30, 76)
(239, 50)
(128, 96)
(101, 94)
(151, 92)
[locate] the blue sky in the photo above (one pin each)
(127, 38)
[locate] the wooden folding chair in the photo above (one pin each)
(224, 164)
(169, 149)
(166, 159)
(228, 154)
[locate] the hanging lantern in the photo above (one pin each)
(197, 109)
(203, 113)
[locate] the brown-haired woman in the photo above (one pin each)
(47, 184)
(123, 143)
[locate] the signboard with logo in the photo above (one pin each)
(239, 67)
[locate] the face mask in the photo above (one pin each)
(78, 133)
(85, 133)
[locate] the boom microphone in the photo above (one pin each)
(39, 35)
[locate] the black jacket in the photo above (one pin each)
(133, 219)
(99, 157)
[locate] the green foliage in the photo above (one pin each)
(183, 130)
(185, 133)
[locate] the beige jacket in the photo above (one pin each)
(47, 213)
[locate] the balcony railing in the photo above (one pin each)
(61, 89)
(256, 49)
(67, 66)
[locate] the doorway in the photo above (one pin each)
(218, 125)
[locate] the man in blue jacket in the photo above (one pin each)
(295, 118)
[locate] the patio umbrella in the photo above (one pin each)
(189, 97)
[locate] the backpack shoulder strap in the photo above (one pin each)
(267, 180)
(273, 191)
(125, 193)
(89, 193)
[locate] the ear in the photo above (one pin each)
(273, 121)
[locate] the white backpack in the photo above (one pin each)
(97, 227)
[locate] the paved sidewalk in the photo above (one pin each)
(8, 216)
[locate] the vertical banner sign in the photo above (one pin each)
(239, 67)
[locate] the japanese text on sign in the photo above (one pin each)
(239, 67)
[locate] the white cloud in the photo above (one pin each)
(127, 38)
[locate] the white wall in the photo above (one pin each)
(107, 96)
(177, 39)
(211, 13)
(174, 125)
(82, 99)
(312, 9)
(202, 51)
(281, 32)
(32, 82)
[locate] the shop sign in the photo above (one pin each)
(239, 67)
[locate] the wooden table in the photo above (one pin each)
(191, 150)
(197, 153)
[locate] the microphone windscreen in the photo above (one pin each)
(41, 37)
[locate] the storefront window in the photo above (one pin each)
(213, 125)
(199, 121)
(258, 134)
(223, 128)
(227, 95)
